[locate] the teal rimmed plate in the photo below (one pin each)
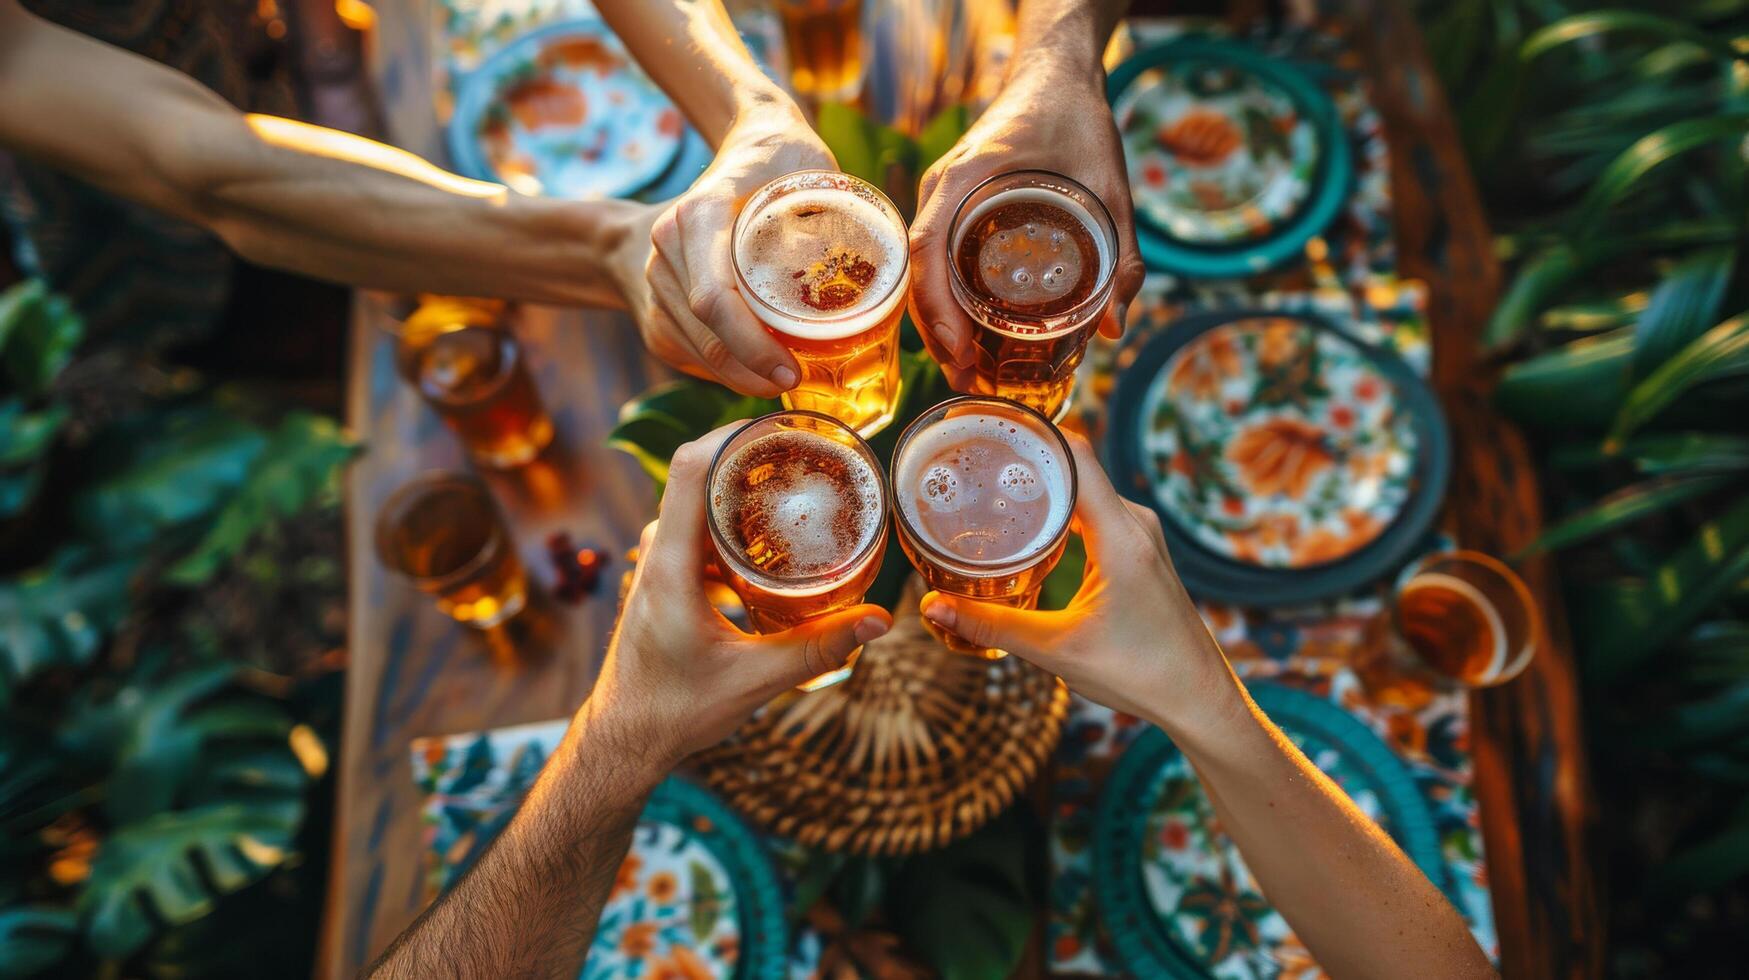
(1235, 159)
(1174, 894)
(696, 896)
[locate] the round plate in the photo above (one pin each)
(696, 896)
(563, 111)
(1332, 551)
(1236, 160)
(1273, 443)
(1173, 891)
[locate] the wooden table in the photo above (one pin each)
(414, 673)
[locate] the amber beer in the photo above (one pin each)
(1032, 259)
(798, 515)
(465, 362)
(823, 40)
(1468, 618)
(822, 259)
(984, 490)
(443, 531)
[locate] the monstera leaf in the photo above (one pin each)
(59, 615)
(300, 461)
(33, 938)
(172, 867)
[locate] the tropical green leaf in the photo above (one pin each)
(1703, 867)
(1539, 280)
(18, 488)
(967, 909)
(854, 140)
(164, 470)
(1622, 507)
(171, 867)
(1579, 385)
(1647, 154)
(1716, 654)
(25, 436)
(1065, 580)
(1581, 27)
(1623, 623)
(1688, 452)
(940, 134)
(1722, 716)
(58, 615)
(657, 423)
(38, 334)
(300, 460)
(34, 938)
(1720, 352)
(1596, 315)
(1683, 306)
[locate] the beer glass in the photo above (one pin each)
(443, 531)
(465, 362)
(1468, 618)
(823, 41)
(1031, 255)
(798, 516)
(983, 489)
(823, 261)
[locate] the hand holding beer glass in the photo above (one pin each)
(983, 489)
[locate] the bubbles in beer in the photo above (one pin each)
(1028, 254)
(822, 252)
(796, 504)
(982, 489)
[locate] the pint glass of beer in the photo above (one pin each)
(983, 489)
(823, 40)
(463, 359)
(798, 515)
(443, 532)
(1032, 255)
(823, 260)
(1468, 618)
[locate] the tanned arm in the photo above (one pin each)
(1132, 640)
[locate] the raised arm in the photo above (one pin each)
(1050, 115)
(678, 677)
(316, 201)
(1132, 640)
(692, 50)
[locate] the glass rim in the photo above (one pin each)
(720, 540)
(1519, 660)
(404, 495)
(1107, 228)
(972, 567)
(766, 194)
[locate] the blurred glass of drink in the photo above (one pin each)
(1468, 618)
(984, 489)
(823, 260)
(1032, 259)
(467, 364)
(798, 516)
(443, 531)
(823, 41)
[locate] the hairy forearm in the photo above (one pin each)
(1064, 37)
(530, 906)
(311, 200)
(1360, 906)
(692, 50)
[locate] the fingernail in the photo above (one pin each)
(940, 613)
(784, 377)
(870, 628)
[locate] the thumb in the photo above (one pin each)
(1026, 633)
(821, 645)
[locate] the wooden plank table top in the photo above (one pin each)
(414, 673)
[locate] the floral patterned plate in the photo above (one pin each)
(1277, 444)
(1288, 460)
(1235, 160)
(563, 111)
(1174, 892)
(695, 897)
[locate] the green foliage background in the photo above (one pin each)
(1610, 145)
(154, 784)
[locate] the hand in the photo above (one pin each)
(1131, 639)
(1041, 121)
(678, 676)
(691, 276)
(629, 258)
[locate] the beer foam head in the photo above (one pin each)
(827, 261)
(986, 489)
(1059, 264)
(795, 505)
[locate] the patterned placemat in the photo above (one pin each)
(698, 894)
